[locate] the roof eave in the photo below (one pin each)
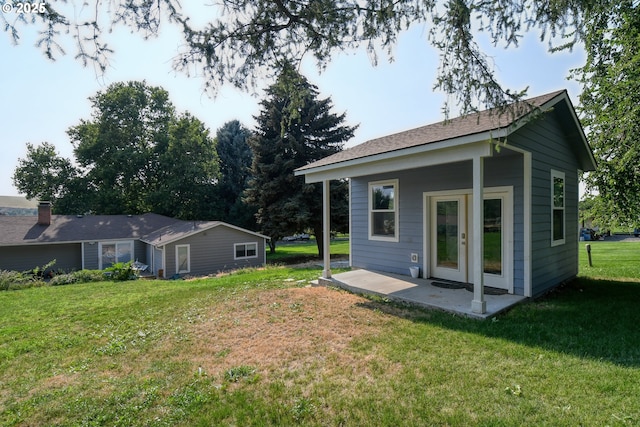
(455, 146)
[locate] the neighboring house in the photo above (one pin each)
(415, 198)
(98, 241)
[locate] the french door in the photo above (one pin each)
(449, 237)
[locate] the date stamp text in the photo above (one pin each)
(24, 8)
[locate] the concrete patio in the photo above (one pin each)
(419, 292)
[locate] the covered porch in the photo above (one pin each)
(426, 293)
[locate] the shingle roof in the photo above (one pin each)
(178, 231)
(481, 122)
(17, 230)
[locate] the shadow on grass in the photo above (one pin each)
(596, 319)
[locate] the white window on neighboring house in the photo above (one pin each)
(114, 252)
(383, 210)
(245, 250)
(183, 259)
(557, 208)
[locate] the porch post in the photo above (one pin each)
(478, 305)
(326, 228)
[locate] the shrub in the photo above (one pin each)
(86, 276)
(12, 280)
(121, 271)
(82, 276)
(63, 279)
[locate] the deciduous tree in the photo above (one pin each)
(134, 155)
(43, 174)
(610, 109)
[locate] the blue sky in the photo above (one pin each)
(42, 99)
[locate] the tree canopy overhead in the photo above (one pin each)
(246, 39)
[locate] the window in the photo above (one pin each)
(557, 208)
(245, 250)
(383, 208)
(183, 259)
(113, 252)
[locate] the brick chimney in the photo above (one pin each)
(44, 213)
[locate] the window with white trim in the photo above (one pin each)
(245, 250)
(183, 259)
(383, 210)
(557, 208)
(114, 252)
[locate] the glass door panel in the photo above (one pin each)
(447, 234)
(493, 236)
(448, 238)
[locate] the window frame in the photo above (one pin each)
(188, 270)
(560, 209)
(245, 244)
(115, 244)
(395, 210)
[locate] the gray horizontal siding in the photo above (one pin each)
(212, 251)
(394, 257)
(546, 142)
(22, 258)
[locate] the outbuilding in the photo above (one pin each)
(489, 199)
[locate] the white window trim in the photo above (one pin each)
(396, 204)
(557, 174)
(116, 243)
(188, 270)
(235, 247)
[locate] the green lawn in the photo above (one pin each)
(302, 251)
(258, 348)
(611, 260)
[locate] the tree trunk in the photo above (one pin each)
(319, 233)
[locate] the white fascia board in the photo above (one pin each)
(414, 157)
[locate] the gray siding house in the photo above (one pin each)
(485, 199)
(167, 245)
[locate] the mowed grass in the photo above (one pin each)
(258, 347)
(620, 260)
(304, 251)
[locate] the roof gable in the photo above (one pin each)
(175, 232)
(461, 130)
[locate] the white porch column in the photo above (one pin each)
(326, 228)
(478, 305)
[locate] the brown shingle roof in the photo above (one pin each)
(481, 122)
(183, 229)
(16, 230)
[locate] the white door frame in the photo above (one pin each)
(504, 280)
(458, 273)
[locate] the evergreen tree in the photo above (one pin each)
(294, 128)
(235, 170)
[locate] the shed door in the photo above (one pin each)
(449, 238)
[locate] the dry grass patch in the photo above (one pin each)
(281, 329)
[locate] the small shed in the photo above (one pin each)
(489, 199)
